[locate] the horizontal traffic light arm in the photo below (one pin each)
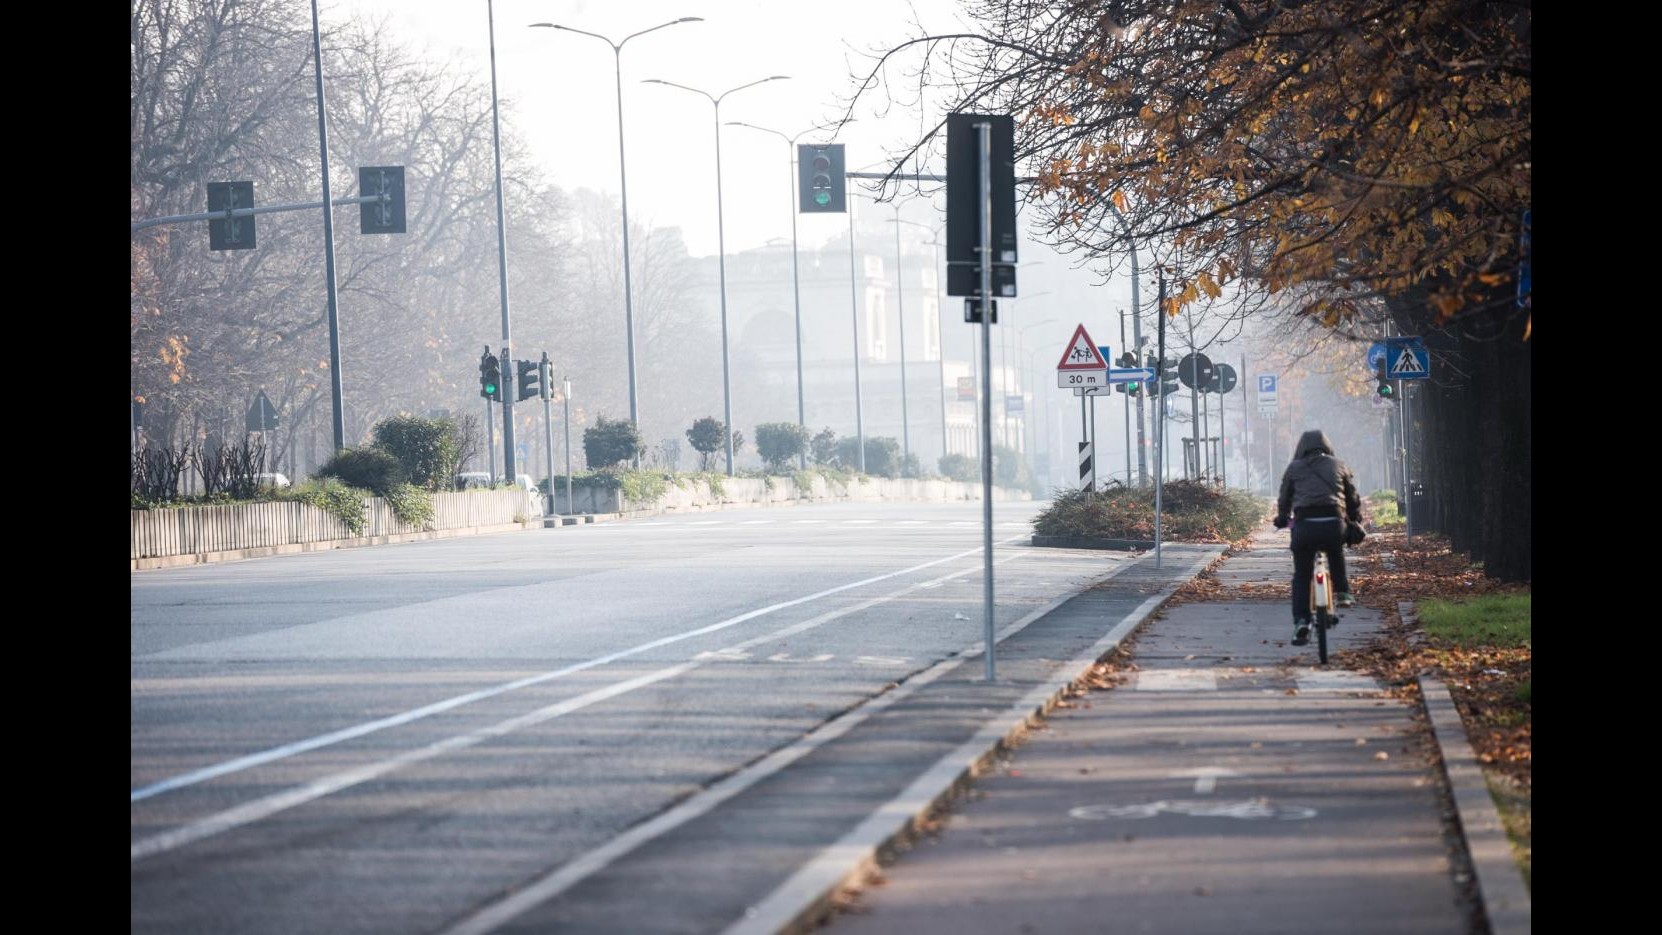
(248, 212)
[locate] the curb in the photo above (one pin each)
(1092, 542)
(802, 901)
(1500, 884)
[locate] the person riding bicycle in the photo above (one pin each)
(1319, 494)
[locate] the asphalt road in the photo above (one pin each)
(394, 738)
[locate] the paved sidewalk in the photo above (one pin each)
(1231, 785)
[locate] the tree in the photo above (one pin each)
(1342, 163)
(609, 442)
(779, 442)
(707, 436)
(882, 455)
(825, 448)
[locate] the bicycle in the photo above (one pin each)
(1321, 605)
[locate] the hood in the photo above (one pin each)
(1312, 442)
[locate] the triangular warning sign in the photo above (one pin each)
(1407, 362)
(1081, 354)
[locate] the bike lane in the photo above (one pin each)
(1228, 784)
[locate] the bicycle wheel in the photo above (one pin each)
(1323, 621)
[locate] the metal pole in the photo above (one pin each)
(508, 449)
(721, 268)
(1223, 439)
(570, 506)
(940, 346)
(1160, 424)
(490, 438)
(1094, 458)
(796, 295)
(900, 312)
(1194, 396)
(328, 242)
(1206, 420)
(1127, 408)
(1137, 337)
(628, 293)
(548, 429)
(854, 310)
(985, 133)
(1407, 487)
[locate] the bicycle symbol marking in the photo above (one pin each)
(1257, 809)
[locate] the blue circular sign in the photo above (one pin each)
(1376, 355)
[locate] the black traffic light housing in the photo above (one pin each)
(231, 233)
(385, 216)
(1386, 389)
(490, 377)
(528, 380)
(822, 183)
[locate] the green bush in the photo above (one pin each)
(331, 496)
(707, 436)
(611, 441)
(960, 468)
(374, 469)
(411, 504)
(882, 455)
(430, 450)
(780, 442)
(1193, 511)
(823, 450)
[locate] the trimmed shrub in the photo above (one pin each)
(960, 468)
(611, 441)
(1194, 511)
(430, 450)
(371, 468)
(779, 442)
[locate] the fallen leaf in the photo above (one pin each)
(1382, 755)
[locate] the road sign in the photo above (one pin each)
(262, 415)
(1083, 363)
(1223, 379)
(1130, 374)
(1103, 390)
(1194, 370)
(966, 389)
(1082, 353)
(1407, 359)
(1266, 390)
(1376, 355)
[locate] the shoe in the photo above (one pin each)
(1345, 600)
(1301, 632)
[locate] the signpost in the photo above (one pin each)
(1082, 363)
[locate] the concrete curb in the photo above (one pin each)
(1092, 542)
(802, 901)
(1500, 885)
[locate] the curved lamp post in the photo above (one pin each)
(721, 247)
(623, 180)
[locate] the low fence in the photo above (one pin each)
(202, 530)
(698, 494)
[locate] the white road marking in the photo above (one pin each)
(756, 522)
(706, 522)
(806, 522)
(913, 522)
(880, 661)
(858, 522)
(415, 714)
(1338, 680)
(1177, 680)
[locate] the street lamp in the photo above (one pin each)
(721, 247)
(796, 285)
(623, 181)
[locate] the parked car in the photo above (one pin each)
(469, 480)
(271, 479)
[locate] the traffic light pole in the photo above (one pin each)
(508, 450)
(328, 242)
(854, 300)
(1160, 421)
(490, 439)
(547, 372)
(984, 134)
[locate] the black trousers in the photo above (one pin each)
(1310, 536)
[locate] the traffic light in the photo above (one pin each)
(1385, 389)
(490, 377)
(385, 216)
(231, 233)
(529, 379)
(821, 182)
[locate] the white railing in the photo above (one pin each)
(232, 527)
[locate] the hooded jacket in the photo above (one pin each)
(1316, 483)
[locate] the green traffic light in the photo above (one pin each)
(490, 388)
(1386, 391)
(822, 198)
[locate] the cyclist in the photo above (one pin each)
(1319, 494)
